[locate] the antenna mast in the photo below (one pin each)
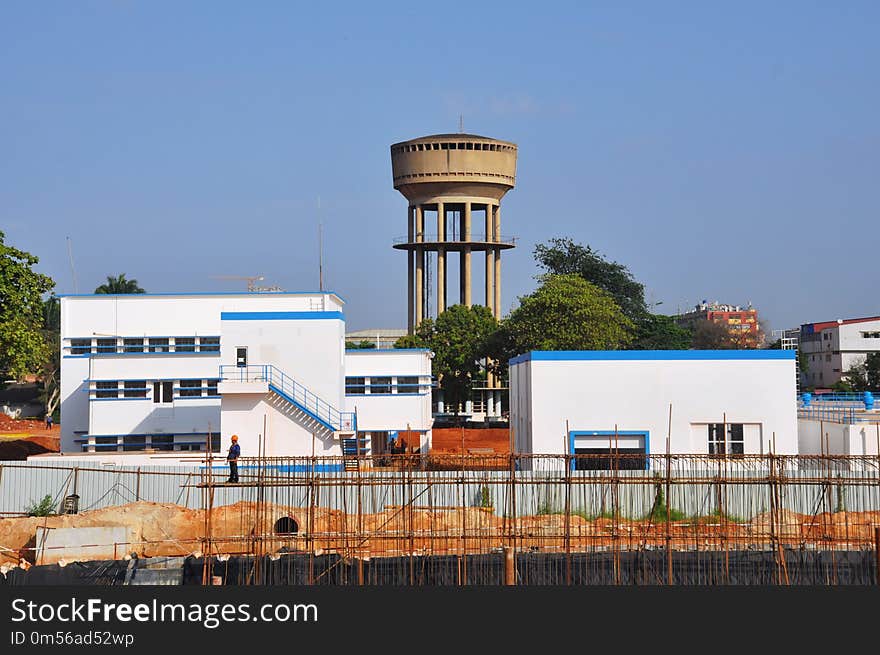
(320, 249)
(72, 269)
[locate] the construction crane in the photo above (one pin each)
(251, 282)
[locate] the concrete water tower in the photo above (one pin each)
(454, 184)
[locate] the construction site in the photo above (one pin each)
(449, 520)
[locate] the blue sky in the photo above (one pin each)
(721, 151)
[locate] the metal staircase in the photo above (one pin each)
(292, 398)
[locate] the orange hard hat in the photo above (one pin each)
(235, 437)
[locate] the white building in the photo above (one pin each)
(590, 402)
(158, 374)
(390, 392)
(834, 347)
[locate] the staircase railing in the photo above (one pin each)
(293, 391)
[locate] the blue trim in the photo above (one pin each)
(103, 399)
(606, 433)
(202, 293)
(280, 316)
(386, 351)
(368, 395)
(152, 434)
(284, 468)
(651, 355)
(86, 356)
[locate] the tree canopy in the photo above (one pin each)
(659, 332)
(861, 377)
(565, 313)
(23, 347)
(562, 256)
(709, 335)
(459, 340)
(119, 284)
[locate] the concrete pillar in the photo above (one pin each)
(420, 265)
(490, 265)
(441, 259)
(496, 233)
(410, 256)
(497, 402)
(490, 403)
(466, 256)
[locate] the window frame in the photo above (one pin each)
(382, 387)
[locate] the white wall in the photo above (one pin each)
(634, 395)
(396, 411)
(838, 438)
(175, 315)
(243, 415)
(308, 350)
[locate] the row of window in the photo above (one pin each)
(126, 443)
(466, 145)
(870, 335)
(162, 390)
(110, 345)
(401, 384)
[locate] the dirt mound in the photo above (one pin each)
(21, 449)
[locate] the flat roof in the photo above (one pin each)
(822, 325)
(386, 351)
(190, 294)
(652, 355)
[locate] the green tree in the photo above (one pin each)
(709, 335)
(562, 256)
(50, 371)
(119, 284)
(459, 339)
(565, 313)
(872, 371)
(861, 377)
(360, 345)
(23, 348)
(659, 332)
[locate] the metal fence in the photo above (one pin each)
(428, 508)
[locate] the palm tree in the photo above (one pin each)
(119, 284)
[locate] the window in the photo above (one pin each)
(870, 335)
(106, 345)
(134, 442)
(380, 384)
(827, 358)
(106, 443)
(190, 388)
(209, 344)
(733, 445)
(107, 389)
(133, 345)
(158, 346)
(80, 346)
(162, 441)
(135, 389)
(407, 384)
(355, 386)
(163, 391)
(212, 387)
(185, 344)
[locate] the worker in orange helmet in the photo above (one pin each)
(232, 458)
